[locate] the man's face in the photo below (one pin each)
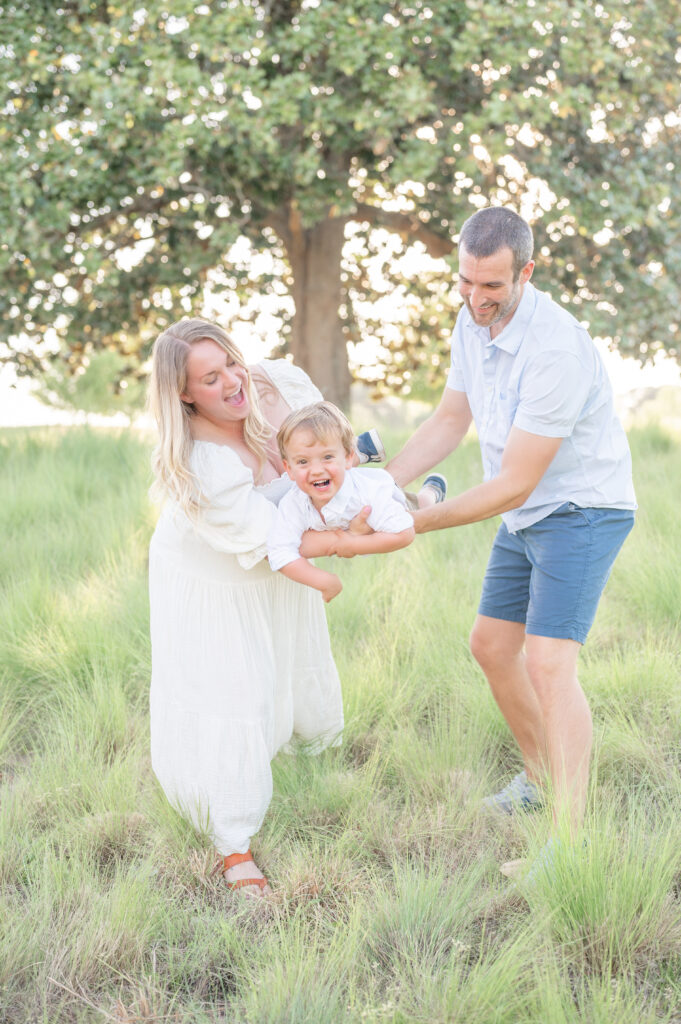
(488, 289)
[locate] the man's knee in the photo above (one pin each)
(477, 645)
(492, 643)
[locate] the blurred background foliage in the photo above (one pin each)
(315, 160)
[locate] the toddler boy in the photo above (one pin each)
(317, 445)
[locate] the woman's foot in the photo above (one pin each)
(243, 875)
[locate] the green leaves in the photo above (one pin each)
(165, 135)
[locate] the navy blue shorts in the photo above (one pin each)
(550, 576)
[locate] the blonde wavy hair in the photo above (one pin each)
(170, 458)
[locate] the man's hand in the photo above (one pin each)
(359, 524)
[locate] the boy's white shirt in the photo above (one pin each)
(296, 513)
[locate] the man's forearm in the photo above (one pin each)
(380, 542)
(425, 449)
(525, 460)
(482, 502)
(434, 440)
(318, 543)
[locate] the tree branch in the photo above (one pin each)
(408, 225)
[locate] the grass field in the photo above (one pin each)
(388, 904)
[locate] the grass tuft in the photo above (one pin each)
(388, 904)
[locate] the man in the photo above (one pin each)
(557, 468)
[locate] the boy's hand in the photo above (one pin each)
(333, 588)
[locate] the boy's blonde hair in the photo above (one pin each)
(324, 420)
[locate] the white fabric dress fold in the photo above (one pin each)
(241, 658)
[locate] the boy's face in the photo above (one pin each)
(317, 467)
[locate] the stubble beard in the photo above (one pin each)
(502, 310)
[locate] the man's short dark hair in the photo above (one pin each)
(495, 228)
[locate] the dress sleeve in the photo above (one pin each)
(294, 385)
(286, 533)
(235, 519)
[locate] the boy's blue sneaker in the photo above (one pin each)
(519, 795)
(370, 447)
(439, 484)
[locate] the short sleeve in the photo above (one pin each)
(295, 386)
(552, 392)
(286, 532)
(235, 519)
(455, 379)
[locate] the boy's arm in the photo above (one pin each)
(349, 544)
(302, 571)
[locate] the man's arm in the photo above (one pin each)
(317, 543)
(436, 438)
(525, 460)
(350, 544)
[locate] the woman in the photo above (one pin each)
(241, 658)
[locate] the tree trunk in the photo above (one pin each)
(317, 341)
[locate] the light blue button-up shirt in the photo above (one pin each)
(543, 373)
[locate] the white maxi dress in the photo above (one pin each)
(241, 658)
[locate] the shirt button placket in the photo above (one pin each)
(488, 376)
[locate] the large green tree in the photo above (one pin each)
(142, 139)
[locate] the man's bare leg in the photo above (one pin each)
(552, 669)
(497, 646)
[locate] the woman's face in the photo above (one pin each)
(217, 386)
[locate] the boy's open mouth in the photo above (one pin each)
(321, 483)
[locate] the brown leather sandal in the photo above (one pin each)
(240, 858)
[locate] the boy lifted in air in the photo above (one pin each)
(317, 445)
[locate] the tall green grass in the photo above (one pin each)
(388, 904)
